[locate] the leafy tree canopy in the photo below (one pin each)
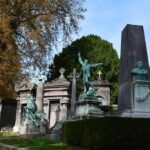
(29, 29)
(34, 26)
(95, 49)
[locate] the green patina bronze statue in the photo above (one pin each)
(86, 75)
(32, 115)
(139, 72)
(30, 109)
(41, 77)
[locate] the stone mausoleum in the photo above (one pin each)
(56, 99)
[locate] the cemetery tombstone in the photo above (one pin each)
(133, 51)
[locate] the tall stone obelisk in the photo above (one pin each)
(133, 49)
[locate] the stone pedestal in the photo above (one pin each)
(31, 129)
(88, 107)
(140, 100)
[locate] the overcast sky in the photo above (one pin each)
(107, 18)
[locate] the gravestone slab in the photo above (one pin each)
(133, 49)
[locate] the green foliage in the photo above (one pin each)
(34, 143)
(7, 134)
(95, 49)
(32, 28)
(108, 133)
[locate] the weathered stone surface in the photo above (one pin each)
(56, 132)
(18, 117)
(39, 96)
(141, 96)
(87, 107)
(74, 77)
(23, 89)
(140, 100)
(103, 91)
(53, 97)
(133, 49)
(56, 99)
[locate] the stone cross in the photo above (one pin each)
(99, 75)
(74, 76)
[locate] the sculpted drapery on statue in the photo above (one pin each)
(86, 72)
(42, 77)
(31, 109)
(32, 115)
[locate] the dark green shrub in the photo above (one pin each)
(109, 133)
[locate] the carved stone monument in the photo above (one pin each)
(22, 89)
(140, 92)
(52, 98)
(133, 53)
(56, 99)
(56, 104)
(30, 118)
(35, 122)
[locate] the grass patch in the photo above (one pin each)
(33, 143)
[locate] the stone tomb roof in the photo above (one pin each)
(58, 87)
(59, 82)
(24, 86)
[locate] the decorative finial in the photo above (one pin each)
(99, 75)
(62, 71)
